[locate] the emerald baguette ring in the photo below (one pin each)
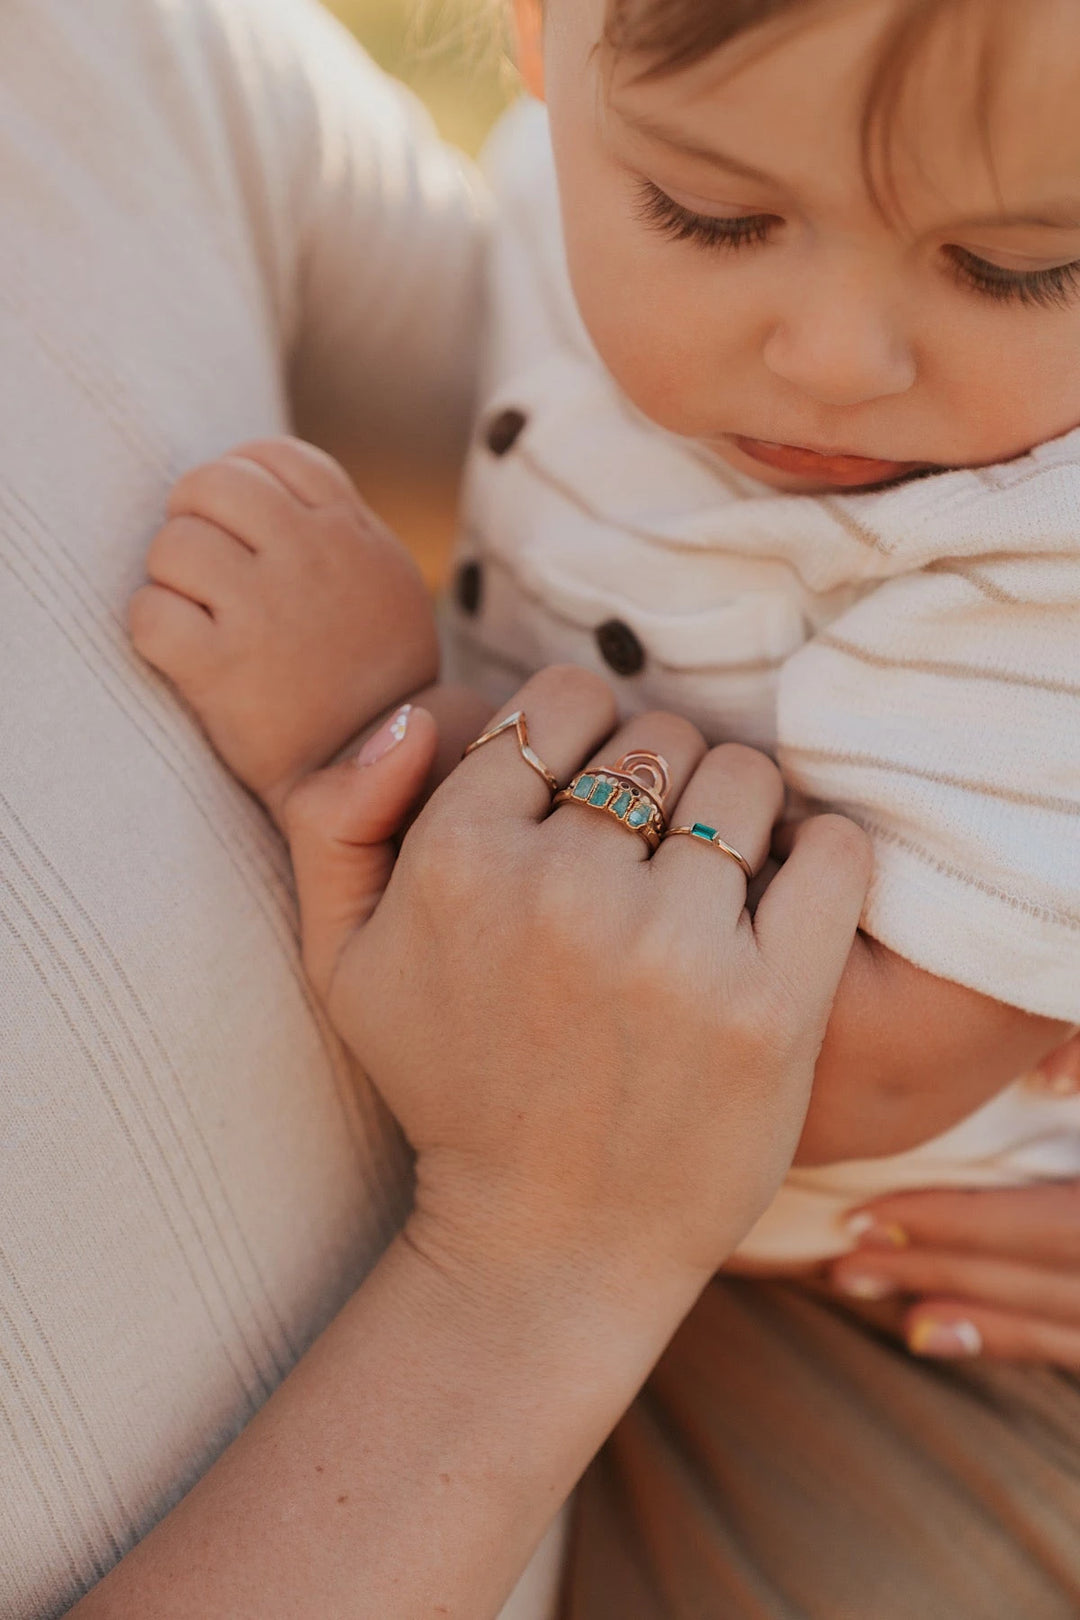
(517, 724)
(631, 791)
(709, 835)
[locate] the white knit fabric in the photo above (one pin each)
(198, 197)
(911, 656)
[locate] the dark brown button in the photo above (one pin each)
(504, 430)
(469, 587)
(620, 648)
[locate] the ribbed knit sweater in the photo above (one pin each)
(207, 207)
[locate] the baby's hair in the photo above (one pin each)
(670, 35)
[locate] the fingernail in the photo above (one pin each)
(953, 1341)
(860, 1285)
(870, 1233)
(386, 738)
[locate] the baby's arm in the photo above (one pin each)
(288, 616)
(907, 1055)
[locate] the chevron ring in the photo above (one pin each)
(517, 724)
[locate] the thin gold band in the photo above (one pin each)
(516, 723)
(709, 835)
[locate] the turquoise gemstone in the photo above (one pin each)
(638, 817)
(699, 830)
(584, 786)
(622, 804)
(601, 793)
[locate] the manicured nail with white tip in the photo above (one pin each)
(871, 1233)
(951, 1341)
(387, 737)
(860, 1285)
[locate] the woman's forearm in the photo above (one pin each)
(411, 1462)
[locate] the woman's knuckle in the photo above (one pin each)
(754, 769)
(572, 686)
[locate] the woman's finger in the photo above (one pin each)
(339, 823)
(806, 920)
(1038, 1224)
(738, 793)
(680, 746)
(568, 712)
(958, 1330)
(1006, 1284)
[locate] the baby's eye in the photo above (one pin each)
(662, 213)
(1055, 288)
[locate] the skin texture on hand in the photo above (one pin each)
(669, 937)
(583, 1163)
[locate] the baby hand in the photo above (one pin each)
(286, 614)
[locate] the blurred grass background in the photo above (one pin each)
(450, 53)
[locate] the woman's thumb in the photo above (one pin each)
(340, 824)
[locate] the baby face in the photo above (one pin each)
(747, 289)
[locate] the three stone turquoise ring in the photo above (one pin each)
(709, 835)
(632, 791)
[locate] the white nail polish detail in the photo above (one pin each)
(857, 1225)
(968, 1338)
(399, 725)
(861, 1286)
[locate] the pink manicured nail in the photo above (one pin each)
(386, 738)
(952, 1341)
(861, 1285)
(870, 1233)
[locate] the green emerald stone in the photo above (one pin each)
(584, 786)
(638, 817)
(699, 830)
(622, 803)
(601, 793)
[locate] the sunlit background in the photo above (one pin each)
(449, 52)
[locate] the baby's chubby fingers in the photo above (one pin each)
(201, 561)
(311, 475)
(240, 496)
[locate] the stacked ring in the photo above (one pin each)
(709, 835)
(631, 791)
(516, 722)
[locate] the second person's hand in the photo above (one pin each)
(602, 1062)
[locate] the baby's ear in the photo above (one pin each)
(529, 44)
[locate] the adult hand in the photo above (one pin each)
(603, 1065)
(994, 1273)
(598, 1057)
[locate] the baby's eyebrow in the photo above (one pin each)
(1062, 216)
(657, 130)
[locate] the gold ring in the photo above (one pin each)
(631, 791)
(516, 723)
(709, 835)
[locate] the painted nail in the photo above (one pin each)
(953, 1341)
(860, 1285)
(386, 738)
(870, 1233)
